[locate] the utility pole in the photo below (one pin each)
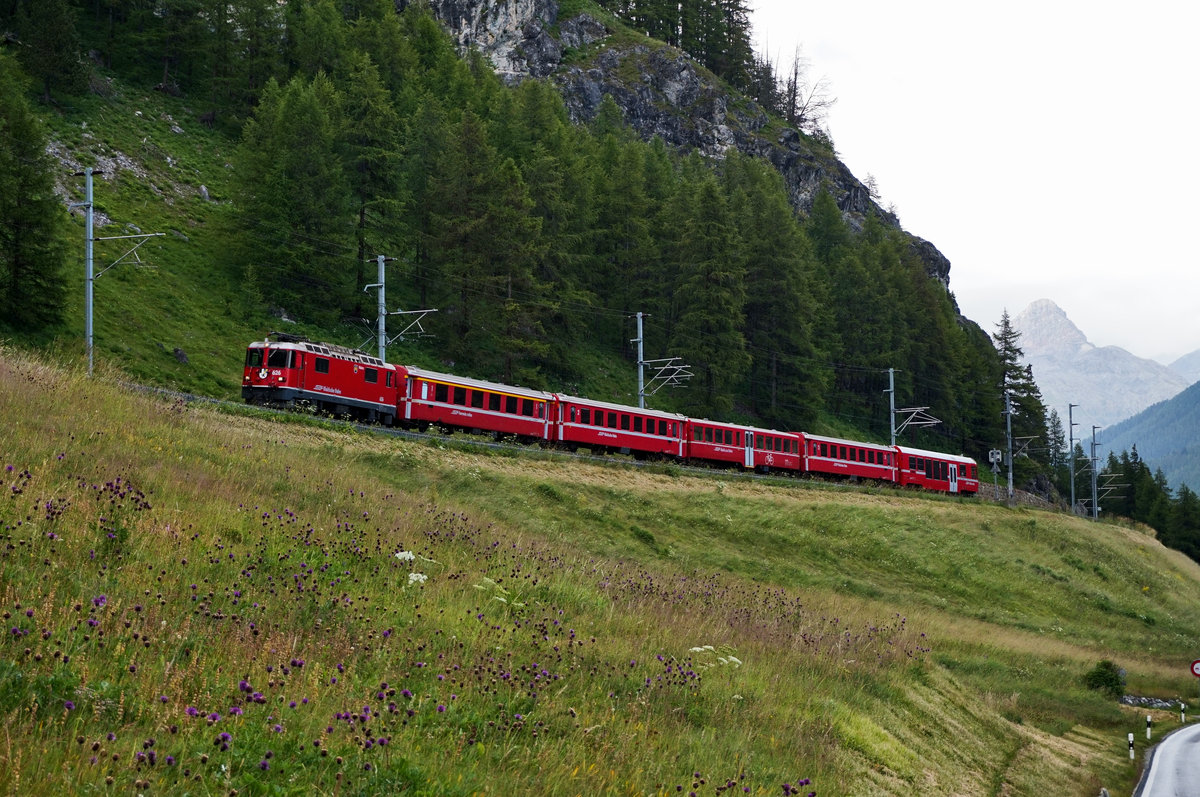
(1008, 435)
(90, 275)
(917, 416)
(381, 338)
(670, 371)
(641, 364)
(891, 391)
(1071, 450)
(381, 314)
(1095, 498)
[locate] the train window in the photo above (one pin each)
(477, 399)
(510, 405)
(612, 420)
(870, 457)
(674, 430)
(662, 428)
(585, 415)
(697, 434)
(527, 408)
(278, 358)
(708, 434)
(389, 378)
(494, 402)
(321, 365)
(541, 409)
(371, 375)
(637, 424)
(460, 396)
(254, 358)
(625, 423)
(441, 393)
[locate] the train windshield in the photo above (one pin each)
(279, 358)
(254, 358)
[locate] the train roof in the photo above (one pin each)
(921, 452)
(478, 384)
(744, 427)
(839, 441)
(328, 349)
(621, 407)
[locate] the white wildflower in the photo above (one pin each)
(406, 556)
(417, 578)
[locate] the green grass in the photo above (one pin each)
(582, 627)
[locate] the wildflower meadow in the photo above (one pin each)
(203, 603)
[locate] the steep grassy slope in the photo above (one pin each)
(155, 158)
(197, 602)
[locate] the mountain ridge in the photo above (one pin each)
(1107, 383)
(661, 92)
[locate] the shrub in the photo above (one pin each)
(1107, 677)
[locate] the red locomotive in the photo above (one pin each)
(292, 371)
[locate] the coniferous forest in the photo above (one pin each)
(358, 129)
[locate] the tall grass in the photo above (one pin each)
(196, 602)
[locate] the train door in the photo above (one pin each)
(749, 457)
(953, 478)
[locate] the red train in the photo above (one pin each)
(292, 371)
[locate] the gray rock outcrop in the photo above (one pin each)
(661, 92)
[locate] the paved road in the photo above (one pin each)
(1174, 769)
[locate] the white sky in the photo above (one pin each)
(1048, 148)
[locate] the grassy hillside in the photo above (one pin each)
(199, 602)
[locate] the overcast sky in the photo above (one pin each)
(1049, 149)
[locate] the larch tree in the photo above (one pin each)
(1026, 405)
(710, 298)
(32, 219)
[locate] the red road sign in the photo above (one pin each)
(1196, 668)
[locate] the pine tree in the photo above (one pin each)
(32, 247)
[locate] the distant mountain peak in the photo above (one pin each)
(1046, 331)
(1108, 383)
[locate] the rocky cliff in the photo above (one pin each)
(662, 93)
